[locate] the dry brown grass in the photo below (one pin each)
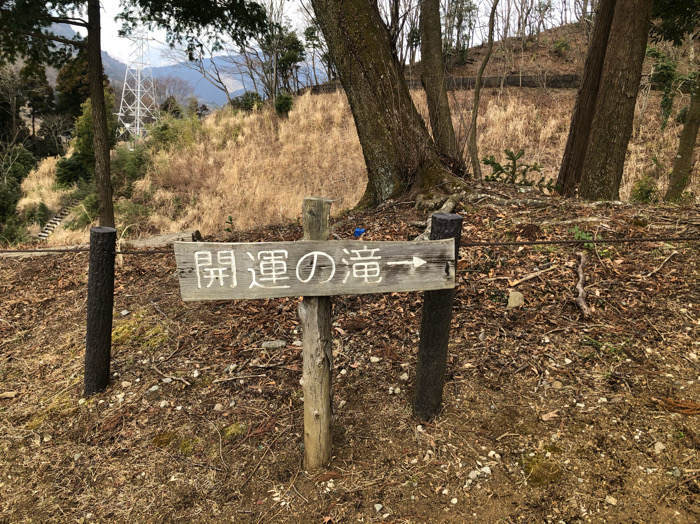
(40, 186)
(257, 168)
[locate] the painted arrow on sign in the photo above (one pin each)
(415, 262)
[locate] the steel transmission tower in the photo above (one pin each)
(138, 105)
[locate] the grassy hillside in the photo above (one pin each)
(256, 167)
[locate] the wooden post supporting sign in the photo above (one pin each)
(316, 269)
(435, 329)
(98, 341)
(315, 316)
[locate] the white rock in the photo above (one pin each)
(195, 373)
(611, 500)
(126, 384)
(154, 388)
(453, 501)
(374, 359)
(404, 377)
(81, 401)
(274, 344)
(343, 371)
(378, 507)
(124, 312)
(473, 474)
(445, 491)
(391, 391)
(232, 403)
(659, 447)
(164, 404)
(341, 404)
(494, 455)
(486, 470)
(167, 380)
(219, 407)
(515, 299)
(397, 391)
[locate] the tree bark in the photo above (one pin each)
(580, 128)
(472, 144)
(683, 163)
(611, 127)
(433, 80)
(99, 116)
(398, 151)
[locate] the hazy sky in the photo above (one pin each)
(119, 47)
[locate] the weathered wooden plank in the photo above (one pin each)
(225, 271)
(317, 351)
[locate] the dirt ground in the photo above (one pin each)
(548, 417)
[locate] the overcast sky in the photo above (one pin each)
(119, 48)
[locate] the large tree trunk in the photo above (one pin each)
(99, 116)
(433, 79)
(611, 127)
(683, 163)
(398, 151)
(580, 128)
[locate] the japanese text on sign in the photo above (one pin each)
(211, 271)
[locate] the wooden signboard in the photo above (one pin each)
(223, 271)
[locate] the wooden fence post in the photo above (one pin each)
(99, 308)
(435, 329)
(315, 316)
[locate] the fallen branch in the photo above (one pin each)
(171, 377)
(513, 283)
(447, 207)
(581, 298)
(662, 264)
(239, 377)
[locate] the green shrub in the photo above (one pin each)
(644, 190)
(283, 104)
(129, 163)
(513, 171)
(682, 115)
(16, 162)
(132, 214)
(171, 106)
(12, 231)
(172, 132)
(83, 133)
(37, 215)
(70, 170)
(248, 101)
(85, 212)
(561, 47)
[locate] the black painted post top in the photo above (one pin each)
(447, 225)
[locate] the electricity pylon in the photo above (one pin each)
(138, 105)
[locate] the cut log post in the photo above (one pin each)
(435, 329)
(98, 341)
(315, 316)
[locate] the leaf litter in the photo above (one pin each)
(203, 420)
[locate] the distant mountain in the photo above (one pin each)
(204, 90)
